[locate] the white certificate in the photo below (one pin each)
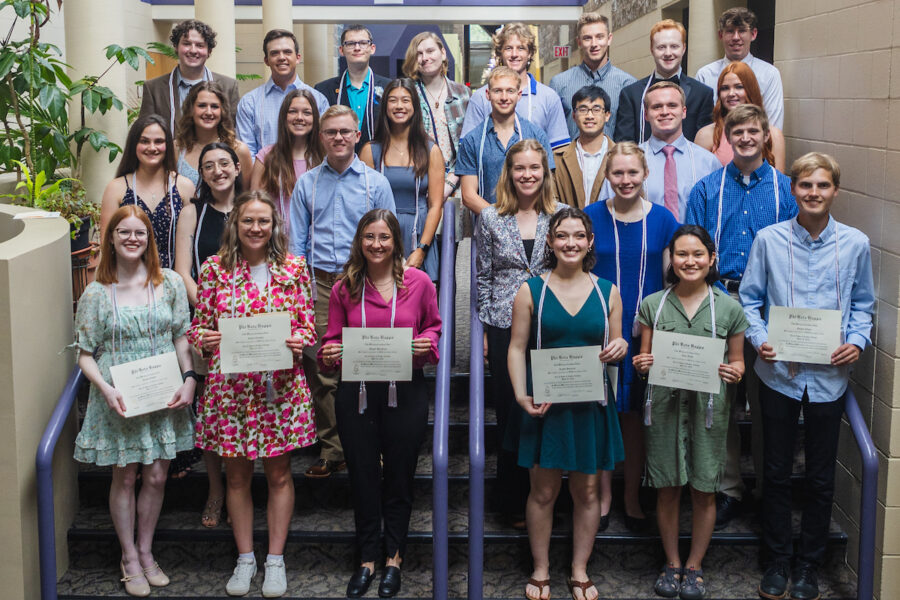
(687, 362)
(148, 384)
(255, 343)
(806, 335)
(376, 354)
(567, 375)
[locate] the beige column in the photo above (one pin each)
(318, 53)
(90, 26)
(220, 16)
(703, 43)
(276, 14)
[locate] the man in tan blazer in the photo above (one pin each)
(193, 41)
(581, 165)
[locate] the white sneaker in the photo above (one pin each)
(275, 583)
(239, 584)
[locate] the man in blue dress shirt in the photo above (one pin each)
(810, 262)
(257, 112)
(734, 204)
(483, 150)
(327, 203)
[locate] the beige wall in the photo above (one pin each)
(35, 327)
(839, 62)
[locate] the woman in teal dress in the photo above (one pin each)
(133, 310)
(566, 307)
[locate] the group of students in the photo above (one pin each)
(336, 227)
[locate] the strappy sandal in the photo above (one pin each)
(212, 513)
(540, 584)
(583, 585)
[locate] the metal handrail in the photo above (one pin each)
(44, 466)
(865, 570)
(441, 449)
(476, 441)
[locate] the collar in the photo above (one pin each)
(656, 145)
(747, 59)
(759, 174)
(532, 86)
(600, 73)
(180, 79)
(676, 77)
(349, 85)
(603, 149)
(357, 166)
(296, 84)
(490, 127)
(804, 236)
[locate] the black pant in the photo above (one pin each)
(822, 422)
(512, 480)
(382, 448)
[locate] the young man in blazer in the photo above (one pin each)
(193, 41)
(580, 166)
(667, 45)
(358, 86)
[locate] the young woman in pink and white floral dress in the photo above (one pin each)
(265, 415)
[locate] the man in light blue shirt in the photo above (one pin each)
(664, 105)
(483, 150)
(257, 112)
(326, 205)
(810, 262)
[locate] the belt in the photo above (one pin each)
(326, 277)
(731, 285)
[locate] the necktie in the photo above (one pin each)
(670, 181)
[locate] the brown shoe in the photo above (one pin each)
(324, 468)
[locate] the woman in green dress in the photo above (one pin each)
(133, 310)
(685, 430)
(568, 306)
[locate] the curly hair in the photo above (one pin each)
(186, 134)
(521, 31)
(570, 212)
(356, 267)
(205, 31)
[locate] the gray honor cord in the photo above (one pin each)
(712, 317)
(392, 386)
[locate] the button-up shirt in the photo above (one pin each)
(767, 282)
(494, 153)
(327, 206)
(767, 75)
(257, 112)
(538, 104)
(746, 210)
(357, 96)
(610, 78)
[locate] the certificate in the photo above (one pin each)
(255, 343)
(687, 362)
(377, 354)
(567, 375)
(148, 384)
(806, 335)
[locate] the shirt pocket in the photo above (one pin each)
(666, 324)
(721, 330)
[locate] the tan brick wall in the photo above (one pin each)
(837, 58)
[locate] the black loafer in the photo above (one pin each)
(635, 524)
(804, 584)
(727, 508)
(359, 583)
(773, 585)
(390, 582)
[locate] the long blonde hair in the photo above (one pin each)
(230, 252)
(507, 201)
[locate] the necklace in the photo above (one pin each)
(437, 98)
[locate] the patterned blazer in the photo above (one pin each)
(501, 264)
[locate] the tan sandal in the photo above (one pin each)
(540, 584)
(212, 513)
(156, 576)
(135, 585)
(583, 585)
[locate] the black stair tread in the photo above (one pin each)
(322, 570)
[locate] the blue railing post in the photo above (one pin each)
(44, 467)
(476, 442)
(440, 453)
(867, 504)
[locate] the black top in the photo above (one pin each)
(208, 235)
(529, 248)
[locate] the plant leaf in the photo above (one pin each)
(90, 99)
(22, 8)
(6, 61)
(52, 99)
(164, 49)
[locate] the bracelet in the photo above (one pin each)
(190, 373)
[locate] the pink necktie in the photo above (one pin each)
(670, 181)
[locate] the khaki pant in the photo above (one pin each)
(323, 385)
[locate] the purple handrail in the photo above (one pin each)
(476, 442)
(440, 453)
(44, 467)
(865, 573)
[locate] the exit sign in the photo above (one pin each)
(560, 52)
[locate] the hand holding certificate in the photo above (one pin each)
(148, 384)
(255, 343)
(687, 362)
(567, 375)
(804, 335)
(377, 354)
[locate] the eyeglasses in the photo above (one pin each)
(209, 167)
(249, 222)
(361, 43)
(125, 234)
(344, 133)
(595, 109)
(371, 238)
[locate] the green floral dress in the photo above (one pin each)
(105, 437)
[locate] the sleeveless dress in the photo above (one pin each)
(403, 185)
(186, 170)
(163, 221)
(105, 437)
(207, 235)
(725, 153)
(584, 436)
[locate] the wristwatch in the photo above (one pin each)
(424, 247)
(186, 374)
